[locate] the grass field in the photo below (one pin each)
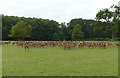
(50, 61)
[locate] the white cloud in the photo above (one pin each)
(59, 10)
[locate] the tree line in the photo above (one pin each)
(106, 26)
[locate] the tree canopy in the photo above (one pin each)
(109, 18)
(105, 26)
(77, 34)
(21, 30)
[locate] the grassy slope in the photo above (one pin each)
(49, 61)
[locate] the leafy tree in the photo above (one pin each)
(64, 32)
(7, 23)
(77, 34)
(61, 35)
(106, 25)
(55, 37)
(21, 30)
(110, 17)
(86, 27)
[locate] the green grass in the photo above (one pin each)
(50, 61)
(0, 61)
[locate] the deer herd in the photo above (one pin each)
(65, 44)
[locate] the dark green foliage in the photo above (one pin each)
(21, 30)
(77, 34)
(107, 22)
(106, 25)
(87, 27)
(55, 37)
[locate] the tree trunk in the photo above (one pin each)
(113, 36)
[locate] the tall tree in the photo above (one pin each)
(21, 30)
(110, 17)
(77, 34)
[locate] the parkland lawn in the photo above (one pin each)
(55, 61)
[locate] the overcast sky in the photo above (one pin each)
(59, 10)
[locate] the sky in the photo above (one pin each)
(58, 10)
